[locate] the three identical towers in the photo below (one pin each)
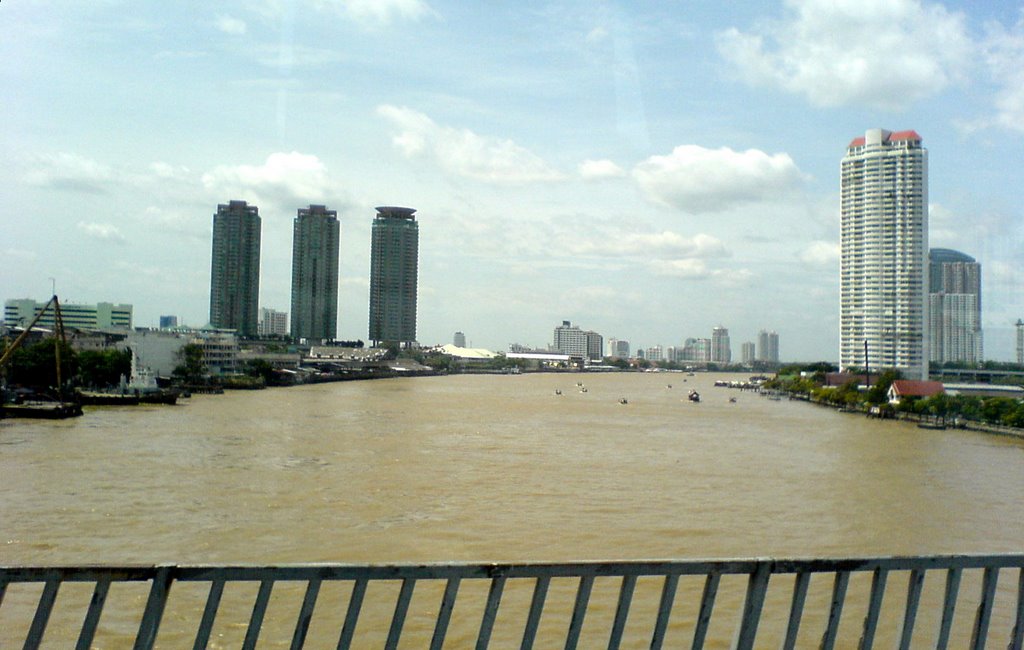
(316, 234)
(883, 285)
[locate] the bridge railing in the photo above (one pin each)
(755, 574)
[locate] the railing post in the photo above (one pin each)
(867, 637)
(914, 585)
(835, 611)
(988, 594)
(154, 609)
(757, 586)
(42, 617)
(796, 609)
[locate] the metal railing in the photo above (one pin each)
(756, 574)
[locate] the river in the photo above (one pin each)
(498, 468)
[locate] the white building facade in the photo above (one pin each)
(721, 352)
(101, 316)
(768, 346)
(884, 253)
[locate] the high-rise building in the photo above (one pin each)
(954, 307)
(1020, 341)
(655, 353)
(459, 340)
(720, 349)
(315, 241)
(884, 253)
(168, 322)
(394, 259)
(272, 322)
(749, 355)
(768, 346)
(618, 348)
(235, 268)
(570, 339)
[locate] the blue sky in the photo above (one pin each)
(646, 170)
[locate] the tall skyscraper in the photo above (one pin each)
(721, 352)
(748, 349)
(1020, 341)
(883, 253)
(954, 307)
(768, 346)
(315, 240)
(394, 259)
(235, 272)
(459, 340)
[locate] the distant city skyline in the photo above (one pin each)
(648, 170)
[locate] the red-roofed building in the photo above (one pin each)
(904, 388)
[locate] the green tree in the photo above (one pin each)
(995, 409)
(259, 368)
(103, 368)
(192, 369)
(35, 366)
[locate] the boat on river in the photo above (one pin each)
(693, 396)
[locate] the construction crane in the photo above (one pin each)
(58, 343)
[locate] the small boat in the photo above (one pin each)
(732, 400)
(694, 396)
(937, 426)
(622, 400)
(669, 386)
(558, 391)
(583, 390)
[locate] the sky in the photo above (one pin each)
(646, 170)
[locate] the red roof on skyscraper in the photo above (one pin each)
(895, 136)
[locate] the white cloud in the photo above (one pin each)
(600, 169)
(883, 54)
(661, 246)
(229, 25)
(102, 231)
(463, 152)
(821, 253)
(284, 179)
(373, 13)
(695, 179)
(597, 35)
(70, 172)
(1004, 53)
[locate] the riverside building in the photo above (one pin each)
(101, 316)
(394, 259)
(884, 253)
(316, 236)
(954, 307)
(235, 268)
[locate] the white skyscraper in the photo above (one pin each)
(721, 352)
(883, 284)
(768, 346)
